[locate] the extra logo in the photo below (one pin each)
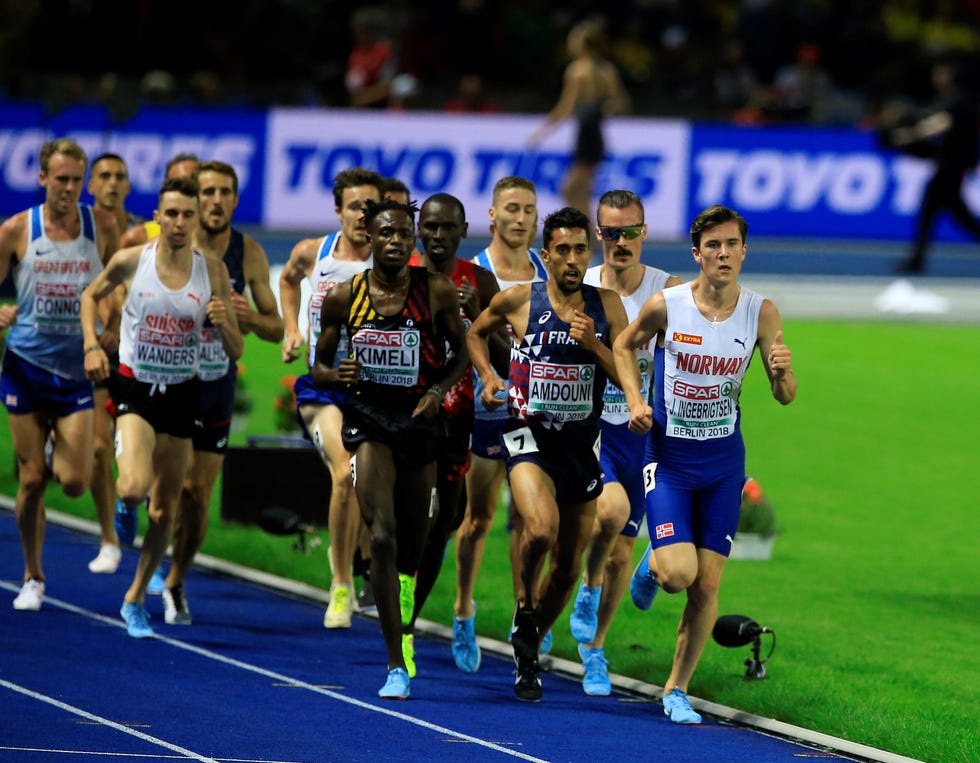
(680, 336)
(666, 530)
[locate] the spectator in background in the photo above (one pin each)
(591, 91)
(949, 134)
(471, 98)
(373, 64)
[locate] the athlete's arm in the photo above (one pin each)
(13, 234)
(333, 316)
(505, 308)
(449, 326)
(118, 273)
(583, 331)
(290, 295)
(498, 342)
(651, 320)
(776, 356)
(220, 310)
(265, 320)
(107, 233)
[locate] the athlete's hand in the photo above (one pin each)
(780, 357)
(641, 419)
(243, 311)
(349, 370)
(291, 346)
(8, 316)
(469, 299)
(216, 311)
(428, 407)
(583, 331)
(96, 364)
(491, 386)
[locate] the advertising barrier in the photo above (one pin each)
(787, 181)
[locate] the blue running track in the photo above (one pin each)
(257, 678)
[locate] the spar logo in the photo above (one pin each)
(387, 338)
(687, 338)
(699, 392)
(561, 373)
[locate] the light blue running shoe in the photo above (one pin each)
(595, 682)
(643, 586)
(584, 620)
(546, 643)
(127, 522)
(156, 584)
(137, 620)
(396, 687)
(466, 652)
(679, 709)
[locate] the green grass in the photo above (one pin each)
(872, 590)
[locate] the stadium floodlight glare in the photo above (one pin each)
(739, 630)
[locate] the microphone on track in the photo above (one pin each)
(739, 630)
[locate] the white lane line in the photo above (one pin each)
(292, 682)
(106, 722)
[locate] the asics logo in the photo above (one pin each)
(545, 317)
(592, 485)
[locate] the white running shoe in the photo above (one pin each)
(31, 595)
(107, 562)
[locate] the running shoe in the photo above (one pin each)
(137, 620)
(340, 608)
(397, 685)
(127, 522)
(643, 586)
(406, 597)
(107, 561)
(527, 686)
(31, 595)
(547, 642)
(175, 609)
(408, 653)
(584, 621)
(524, 638)
(466, 652)
(679, 709)
(156, 586)
(595, 682)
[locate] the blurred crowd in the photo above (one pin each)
(749, 61)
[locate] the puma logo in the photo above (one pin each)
(741, 342)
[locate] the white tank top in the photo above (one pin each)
(614, 408)
(705, 363)
(161, 327)
(49, 281)
(327, 273)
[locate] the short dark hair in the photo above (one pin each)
(107, 155)
(716, 215)
(185, 157)
(352, 178)
(446, 198)
(221, 168)
(394, 185)
(566, 217)
(620, 199)
(185, 186)
(374, 208)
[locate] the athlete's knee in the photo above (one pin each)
(131, 491)
(74, 485)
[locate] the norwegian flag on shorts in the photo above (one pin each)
(665, 530)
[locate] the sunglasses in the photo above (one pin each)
(613, 232)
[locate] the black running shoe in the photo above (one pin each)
(524, 635)
(527, 687)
